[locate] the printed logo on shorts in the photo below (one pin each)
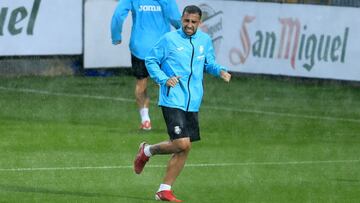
(177, 130)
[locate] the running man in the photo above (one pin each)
(177, 63)
(151, 20)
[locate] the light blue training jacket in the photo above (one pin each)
(177, 54)
(151, 20)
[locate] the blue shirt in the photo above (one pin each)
(151, 20)
(177, 54)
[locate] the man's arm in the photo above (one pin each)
(174, 14)
(212, 67)
(118, 18)
(153, 61)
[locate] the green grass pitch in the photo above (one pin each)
(73, 139)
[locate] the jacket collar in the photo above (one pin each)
(185, 36)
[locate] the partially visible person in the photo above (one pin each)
(177, 63)
(151, 20)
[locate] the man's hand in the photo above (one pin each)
(117, 42)
(171, 82)
(225, 76)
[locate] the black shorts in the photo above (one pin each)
(181, 124)
(139, 68)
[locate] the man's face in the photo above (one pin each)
(190, 23)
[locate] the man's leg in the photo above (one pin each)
(179, 149)
(143, 101)
(175, 166)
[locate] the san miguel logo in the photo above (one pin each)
(294, 43)
(19, 19)
(212, 24)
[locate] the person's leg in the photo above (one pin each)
(143, 101)
(175, 166)
(171, 147)
(141, 96)
(179, 148)
(178, 159)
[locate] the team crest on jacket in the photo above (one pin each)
(177, 130)
(201, 49)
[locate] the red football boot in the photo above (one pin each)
(146, 125)
(166, 195)
(140, 159)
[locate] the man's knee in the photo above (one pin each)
(183, 144)
(141, 86)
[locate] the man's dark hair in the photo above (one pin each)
(192, 9)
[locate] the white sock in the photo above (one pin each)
(164, 187)
(144, 113)
(147, 151)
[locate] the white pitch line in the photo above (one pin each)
(286, 114)
(66, 94)
(206, 165)
(271, 113)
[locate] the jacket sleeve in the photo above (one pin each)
(154, 60)
(210, 64)
(174, 14)
(118, 18)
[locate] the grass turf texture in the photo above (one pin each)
(73, 139)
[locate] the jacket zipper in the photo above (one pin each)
(168, 91)
(191, 72)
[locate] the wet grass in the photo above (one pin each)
(73, 139)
